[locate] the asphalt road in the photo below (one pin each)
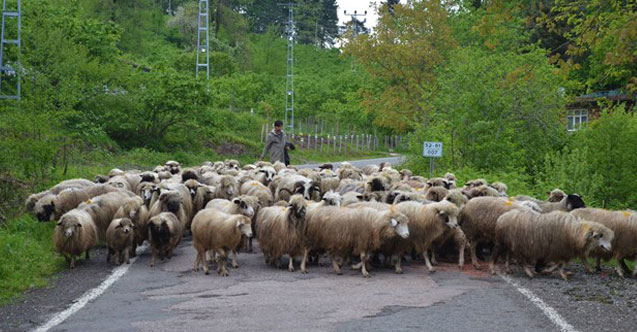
(171, 297)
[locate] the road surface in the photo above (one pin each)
(255, 297)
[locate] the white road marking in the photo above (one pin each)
(90, 295)
(548, 311)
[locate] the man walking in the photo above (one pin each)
(275, 143)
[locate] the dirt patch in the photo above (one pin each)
(230, 149)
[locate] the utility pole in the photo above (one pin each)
(10, 72)
(203, 50)
(289, 76)
(355, 21)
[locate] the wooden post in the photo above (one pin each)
(340, 143)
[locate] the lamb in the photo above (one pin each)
(51, 207)
(353, 231)
(624, 244)
(73, 183)
(120, 237)
(568, 203)
(478, 219)
(436, 194)
(529, 237)
(257, 189)
(281, 231)
(164, 234)
(74, 234)
(134, 209)
(219, 232)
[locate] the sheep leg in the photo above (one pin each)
(87, 254)
(109, 253)
(221, 269)
(507, 263)
(153, 255)
(364, 258)
(461, 255)
(433, 257)
(427, 262)
(529, 272)
(133, 250)
(72, 264)
(623, 265)
(304, 260)
(250, 245)
(127, 255)
(634, 268)
(598, 264)
(562, 274)
(335, 265)
(397, 266)
(195, 266)
(357, 266)
(474, 258)
(587, 266)
(291, 263)
(234, 260)
(495, 255)
(117, 257)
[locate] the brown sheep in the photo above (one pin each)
(557, 237)
(227, 187)
(214, 230)
(134, 209)
(245, 205)
(66, 184)
(281, 231)
(102, 209)
(120, 237)
(52, 207)
(436, 194)
(74, 234)
(405, 174)
(164, 234)
(360, 231)
(478, 218)
(624, 244)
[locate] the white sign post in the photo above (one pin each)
(432, 150)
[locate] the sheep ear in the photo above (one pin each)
(236, 201)
(393, 222)
(119, 226)
(59, 222)
(442, 213)
(79, 225)
(238, 223)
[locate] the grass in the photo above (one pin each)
(27, 256)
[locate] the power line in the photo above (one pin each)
(203, 51)
(9, 73)
(289, 77)
(355, 22)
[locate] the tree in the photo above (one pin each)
(401, 57)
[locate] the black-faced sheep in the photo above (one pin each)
(164, 234)
(74, 234)
(120, 237)
(281, 231)
(624, 244)
(556, 237)
(353, 231)
(170, 201)
(172, 166)
(568, 203)
(216, 231)
(66, 184)
(296, 184)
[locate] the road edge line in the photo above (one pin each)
(547, 310)
(88, 296)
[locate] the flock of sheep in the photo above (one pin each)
(354, 216)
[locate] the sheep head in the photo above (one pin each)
(69, 225)
(45, 208)
(244, 225)
(399, 222)
(333, 198)
(574, 201)
(244, 208)
(298, 207)
(446, 213)
(125, 225)
(171, 200)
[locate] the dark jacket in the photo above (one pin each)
(275, 145)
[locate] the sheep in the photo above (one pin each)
(405, 174)
(232, 163)
(100, 178)
(203, 194)
(149, 192)
(436, 194)
(134, 209)
(456, 197)
(74, 234)
(266, 175)
(351, 197)
(189, 174)
(529, 237)
(353, 231)
(164, 234)
(478, 219)
(172, 166)
(451, 178)
(329, 183)
(370, 169)
(624, 244)
(214, 230)
(149, 177)
(51, 207)
(346, 171)
(346, 186)
(30, 202)
(475, 183)
(120, 237)
(226, 188)
(281, 231)
(556, 195)
(568, 203)
(170, 201)
(377, 183)
(186, 200)
(115, 172)
(404, 196)
(256, 188)
(164, 175)
(480, 191)
(278, 166)
(245, 205)
(500, 187)
(438, 182)
(102, 209)
(295, 184)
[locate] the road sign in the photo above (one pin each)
(432, 149)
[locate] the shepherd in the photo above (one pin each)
(275, 143)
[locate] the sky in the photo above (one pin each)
(360, 6)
